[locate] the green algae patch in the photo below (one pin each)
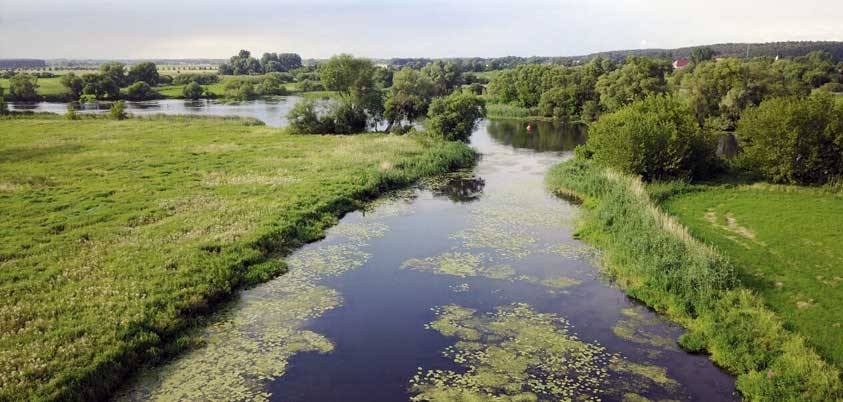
(653, 373)
(459, 264)
(512, 354)
(251, 341)
(560, 282)
(639, 329)
(506, 243)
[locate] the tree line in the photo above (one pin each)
(370, 95)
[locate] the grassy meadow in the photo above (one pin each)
(118, 235)
(785, 242)
(656, 260)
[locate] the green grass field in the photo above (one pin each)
(786, 242)
(116, 234)
(46, 86)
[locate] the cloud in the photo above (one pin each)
(381, 28)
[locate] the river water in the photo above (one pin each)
(272, 111)
(466, 287)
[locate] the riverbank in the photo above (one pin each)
(118, 236)
(655, 260)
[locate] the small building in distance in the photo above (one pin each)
(680, 63)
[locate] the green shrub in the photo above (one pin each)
(348, 119)
(193, 91)
(791, 140)
(140, 91)
(4, 108)
(560, 103)
(70, 114)
(201, 79)
(118, 110)
(305, 118)
(657, 138)
(308, 117)
(455, 116)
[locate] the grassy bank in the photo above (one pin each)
(656, 260)
(785, 242)
(117, 234)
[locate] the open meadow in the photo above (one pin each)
(118, 234)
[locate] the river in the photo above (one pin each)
(465, 287)
(272, 111)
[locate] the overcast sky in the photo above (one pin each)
(398, 28)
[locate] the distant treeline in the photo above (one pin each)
(11, 64)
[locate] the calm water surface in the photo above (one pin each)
(271, 111)
(466, 286)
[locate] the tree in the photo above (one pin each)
(409, 96)
(656, 138)
(637, 79)
(118, 110)
(101, 86)
(305, 118)
(455, 117)
(116, 71)
(289, 61)
(140, 91)
(74, 85)
(193, 91)
(4, 108)
(24, 87)
(701, 54)
(446, 76)
(792, 140)
(354, 79)
(145, 71)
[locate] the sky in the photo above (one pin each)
(131, 29)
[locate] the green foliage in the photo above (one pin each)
(4, 108)
(656, 138)
(792, 140)
(701, 54)
(71, 114)
(455, 116)
(201, 79)
(118, 110)
(409, 96)
(101, 86)
(74, 85)
(638, 78)
(145, 71)
(241, 64)
(240, 90)
(145, 248)
(193, 91)
(23, 87)
(354, 79)
(115, 71)
(140, 91)
(445, 76)
(659, 263)
(560, 103)
(283, 62)
(308, 117)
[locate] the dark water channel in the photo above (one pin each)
(467, 287)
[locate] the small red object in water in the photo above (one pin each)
(529, 127)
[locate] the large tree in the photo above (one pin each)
(354, 79)
(409, 96)
(446, 76)
(116, 71)
(23, 87)
(455, 116)
(74, 85)
(637, 79)
(145, 71)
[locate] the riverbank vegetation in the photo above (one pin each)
(657, 261)
(119, 235)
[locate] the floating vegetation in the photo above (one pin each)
(517, 354)
(513, 354)
(640, 329)
(360, 232)
(251, 342)
(559, 282)
(510, 244)
(459, 264)
(392, 204)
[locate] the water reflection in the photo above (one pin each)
(461, 187)
(544, 137)
(272, 111)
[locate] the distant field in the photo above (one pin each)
(115, 233)
(787, 243)
(46, 86)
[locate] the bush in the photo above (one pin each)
(560, 103)
(305, 119)
(657, 138)
(790, 140)
(165, 80)
(193, 91)
(141, 91)
(201, 79)
(4, 108)
(240, 90)
(455, 116)
(832, 87)
(24, 87)
(118, 110)
(310, 86)
(70, 114)
(348, 119)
